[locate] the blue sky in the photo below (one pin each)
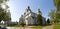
(18, 7)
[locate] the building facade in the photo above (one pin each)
(30, 18)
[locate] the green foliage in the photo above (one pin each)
(3, 12)
(1, 1)
(57, 15)
(13, 24)
(22, 23)
(48, 21)
(4, 16)
(39, 19)
(52, 15)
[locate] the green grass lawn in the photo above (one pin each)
(56, 26)
(36, 27)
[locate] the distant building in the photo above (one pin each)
(2, 22)
(29, 17)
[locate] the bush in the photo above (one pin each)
(12, 24)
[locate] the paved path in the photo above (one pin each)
(48, 27)
(18, 28)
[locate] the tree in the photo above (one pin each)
(1, 1)
(52, 15)
(48, 21)
(39, 19)
(6, 17)
(57, 15)
(57, 19)
(22, 23)
(3, 11)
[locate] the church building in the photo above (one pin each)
(30, 18)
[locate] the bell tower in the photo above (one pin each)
(28, 9)
(39, 12)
